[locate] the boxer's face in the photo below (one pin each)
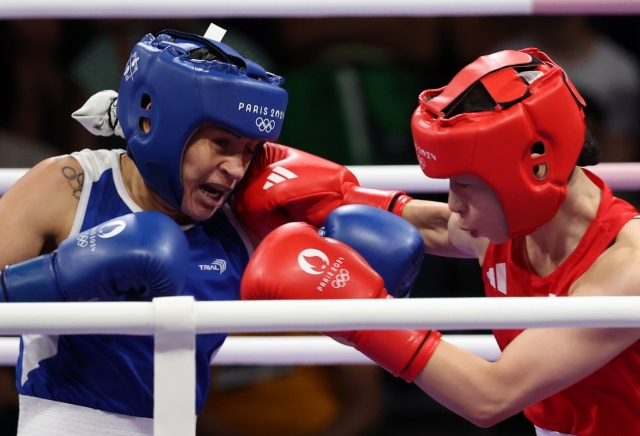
(479, 209)
(214, 161)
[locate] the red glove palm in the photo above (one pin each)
(284, 185)
(295, 263)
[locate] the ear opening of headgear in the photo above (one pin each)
(185, 93)
(527, 105)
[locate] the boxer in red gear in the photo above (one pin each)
(284, 185)
(509, 133)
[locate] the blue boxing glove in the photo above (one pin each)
(391, 245)
(146, 253)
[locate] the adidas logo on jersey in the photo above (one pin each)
(498, 277)
(278, 175)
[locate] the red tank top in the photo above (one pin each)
(608, 401)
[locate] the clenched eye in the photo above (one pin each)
(540, 171)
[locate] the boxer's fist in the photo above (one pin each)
(144, 253)
(283, 185)
(294, 262)
(392, 246)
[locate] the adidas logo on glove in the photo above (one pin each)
(278, 175)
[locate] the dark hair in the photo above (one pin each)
(478, 99)
(590, 153)
(204, 54)
(208, 54)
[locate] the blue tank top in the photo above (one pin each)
(114, 373)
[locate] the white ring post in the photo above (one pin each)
(174, 377)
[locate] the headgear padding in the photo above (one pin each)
(187, 93)
(535, 104)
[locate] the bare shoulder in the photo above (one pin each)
(616, 271)
(40, 206)
(61, 176)
(630, 233)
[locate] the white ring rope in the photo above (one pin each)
(295, 316)
(292, 350)
(137, 318)
(623, 176)
(12, 9)
(410, 178)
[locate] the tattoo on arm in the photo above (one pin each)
(75, 180)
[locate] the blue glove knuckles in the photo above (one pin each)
(391, 245)
(146, 253)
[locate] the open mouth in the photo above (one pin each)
(211, 192)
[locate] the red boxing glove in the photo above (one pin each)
(295, 263)
(284, 185)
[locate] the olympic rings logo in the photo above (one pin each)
(265, 125)
(341, 279)
(83, 241)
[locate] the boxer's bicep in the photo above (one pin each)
(39, 207)
(433, 220)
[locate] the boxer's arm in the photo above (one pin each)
(285, 185)
(438, 227)
(333, 270)
(39, 207)
(539, 362)
(536, 365)
(145, 254)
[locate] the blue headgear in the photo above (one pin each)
(187, 93)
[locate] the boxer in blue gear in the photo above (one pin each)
(193, 111)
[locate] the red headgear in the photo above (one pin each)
(535, 103)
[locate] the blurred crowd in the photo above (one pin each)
(353, 84)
